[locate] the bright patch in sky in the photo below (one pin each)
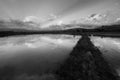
(31, 18)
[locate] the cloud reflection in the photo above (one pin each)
(36, 42)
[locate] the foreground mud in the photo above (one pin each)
(86, 62)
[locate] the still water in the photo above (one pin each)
(33, 52)
(46, 52)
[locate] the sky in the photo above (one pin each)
(59, 10)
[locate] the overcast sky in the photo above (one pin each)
(66, 9)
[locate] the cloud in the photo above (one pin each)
(95, 17)
(52, 17)
(31, 18)
(91, 19)
(118, 19)
(60, 22)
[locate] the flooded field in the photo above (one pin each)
(44, 53)
(30, 53)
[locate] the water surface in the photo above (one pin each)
(46, 52)
(33, 52)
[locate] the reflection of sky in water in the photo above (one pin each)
(50, 49)
(36, 41)
(110, 47)
(32, 50)
(30, 42)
